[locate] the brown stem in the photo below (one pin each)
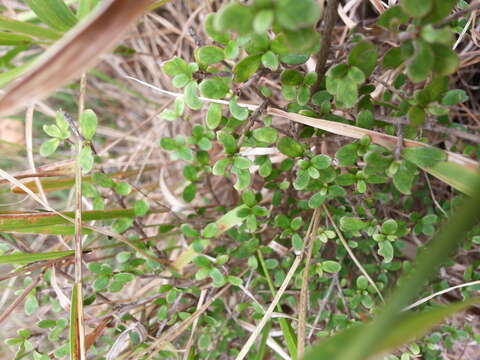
(330, 18)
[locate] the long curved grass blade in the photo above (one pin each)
(50, 230)
(73, 54)
(446, 171)
(55, 13)
(22, 27)
(409, 327)
(63, 183)
(11, 221)
(362, 344)
(24, 258)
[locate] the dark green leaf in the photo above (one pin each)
(247, 67)
(189, 192)
(364, 56)
(294, 14)
(416, 8)
(286, 145)
(291, 77)
(214, 88)
(454, 97)
(416, 115)
(422, 63)
(446, 60)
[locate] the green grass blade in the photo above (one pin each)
(19, 221)
(454, 175)
(51, 230)
(21, 27)
(444, 243)
(55, 13)
(24, 258)
(85, 7)
(9, 39)
(7, 76)
(410, 326)
(263, 342)
(288, 334)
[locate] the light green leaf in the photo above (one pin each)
(352, 224)
(49, 147)
(214, 115)
(122, 188)
(85, 159)
(424, 156)
(385, 249)
(238, 112)
(263, 21)
(141, 207)
(331, 266)
(190, 95)
(88, 124)
(266, 135)
(214, 87)
(454, 97)
(31, 305)
(209, 55)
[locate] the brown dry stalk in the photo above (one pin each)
(19, 299)
(303, 302)
(330, 18)
(74, 53)
(79, 323)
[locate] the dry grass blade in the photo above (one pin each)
(444, 170)
(387, 141)
(74, 53)
(303, 302)
(79, 326)
(179, 328)
(351, 254)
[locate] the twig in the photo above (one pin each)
(444, 291)
(351, 254)
(19, 299)
(330, 20)
(475, 5)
